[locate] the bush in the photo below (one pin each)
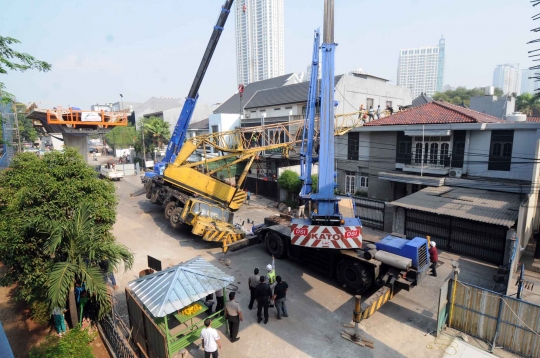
(362, 194)
(73, 344)
(290, 181)
(39, 312)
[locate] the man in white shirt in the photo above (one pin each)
(210, 340)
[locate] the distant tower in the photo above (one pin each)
(440, 65)
(422, 69)
(506, 77)
(260, 50)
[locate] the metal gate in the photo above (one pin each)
(473, 238)
(266, 188)
(371, 212)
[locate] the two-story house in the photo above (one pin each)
(464, 178)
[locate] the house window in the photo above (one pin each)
(369, 103)
(215, 129)
(288, 107)
(500, 153)
(277, 109)
(363, 181)
(304, 110)
(353, 145)
(388, 104)
(350, 184)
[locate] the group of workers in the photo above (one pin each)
(268, 290)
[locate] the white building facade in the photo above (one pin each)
(506, 77)
(260, 50)
(421, 69)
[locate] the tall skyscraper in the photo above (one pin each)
(422, 69)
(506, 77)
(259, 40)
(529, 85)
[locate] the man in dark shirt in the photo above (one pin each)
(264, 294)
(280, 293)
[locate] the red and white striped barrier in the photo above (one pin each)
(331, 237)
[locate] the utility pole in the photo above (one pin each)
(143, 146)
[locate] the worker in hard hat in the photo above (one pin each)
(433, 257)
(271, 276)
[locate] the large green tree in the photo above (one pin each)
(36, 194)
(11, 60)
(528, 104)
(462, 95)
(157, 130)
(122, 137)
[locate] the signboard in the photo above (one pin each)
(330, 237)
(149, 164)
(90, 117)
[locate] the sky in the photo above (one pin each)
(142, 49)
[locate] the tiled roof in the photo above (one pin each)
(492, 207)
(436, 112)
(533, 119)
(232, 105)
(200, 125)
(420, 100)
(282, 95)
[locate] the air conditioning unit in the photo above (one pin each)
(248, 114)
(455, 173)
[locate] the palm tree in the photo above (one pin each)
(528, 104)
(77, 249)
(158, 129)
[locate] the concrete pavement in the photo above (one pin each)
(318, 307)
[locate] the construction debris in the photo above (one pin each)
(362, 342)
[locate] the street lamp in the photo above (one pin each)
(121, 101)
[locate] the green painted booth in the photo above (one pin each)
(155, 302)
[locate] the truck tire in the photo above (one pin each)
(176, 220)
(275, 245)
(169, 209)
(354, 276)
(154, 198)
(148, 190)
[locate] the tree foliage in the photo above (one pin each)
(38, 192)
(74, 344)
(290, 181)
(528, 104)
(122, 137)
(156, 134)
(462, 95)
(11, 60)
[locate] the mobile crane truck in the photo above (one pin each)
(330, 239)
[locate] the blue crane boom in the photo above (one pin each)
(306, 157)
(179, 133)
(334, 224)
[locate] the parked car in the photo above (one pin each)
(93, 150)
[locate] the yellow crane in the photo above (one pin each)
(197, 194)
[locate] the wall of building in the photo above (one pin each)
(382, 158)
(497, 107)
(275, 111)
(522, 155)
(224, 122)
(353, 91)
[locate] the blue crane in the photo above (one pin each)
(179, 134)
(331, 210)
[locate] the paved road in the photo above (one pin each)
(318, 307)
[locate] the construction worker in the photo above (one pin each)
(434, 258)
(271, 276)
(234, 316)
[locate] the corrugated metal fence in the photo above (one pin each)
(371, 212)
(501, 320)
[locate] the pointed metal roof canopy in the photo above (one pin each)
(170, 290)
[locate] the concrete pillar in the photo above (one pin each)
(399, 221)
(78, 141)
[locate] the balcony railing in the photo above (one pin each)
(430, 160)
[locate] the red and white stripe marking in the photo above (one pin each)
(331, 237)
